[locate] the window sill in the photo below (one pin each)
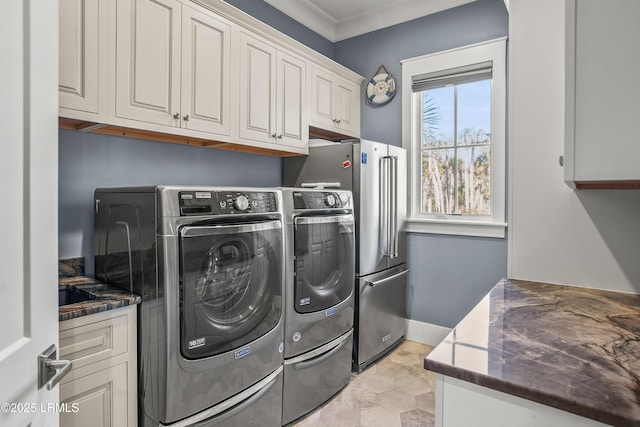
(456, 227)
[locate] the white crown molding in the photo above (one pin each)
(391, 13)
(308, 15)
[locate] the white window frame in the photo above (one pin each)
(482, 226)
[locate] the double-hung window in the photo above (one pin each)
(453, 112)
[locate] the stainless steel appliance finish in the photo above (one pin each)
(312, 378)
(376, 174)
(208, 263)
(319, 296)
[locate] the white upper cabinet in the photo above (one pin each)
(206, 59)
(335, 103)
(292, 127)
(602, 147)
(148, 61)
(173, 66)
(272, 95)
(196, 72)
(82, 44)
(257, 90)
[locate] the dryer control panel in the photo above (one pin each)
(226, 202)
(321, 200)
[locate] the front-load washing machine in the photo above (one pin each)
(208, 264)
(319, 297)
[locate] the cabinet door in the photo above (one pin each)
(257, 90)
(322, 114)
(292, 127)
(148, 60)
(347, 107)
(96, 400)
(206, 47)
(79, 44)
(607, 90)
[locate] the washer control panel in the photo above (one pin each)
(226, 202)
(322, 200)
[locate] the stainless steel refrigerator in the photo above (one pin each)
(376, 174)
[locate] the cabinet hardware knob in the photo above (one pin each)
(273, 135)
(279, 136)
(338, 121)
(186, 118)
(176, 116)
(561, 160)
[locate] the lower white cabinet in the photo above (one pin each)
(460, 403)
(100, 389)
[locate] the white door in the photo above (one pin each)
(347, 101)
(322, 95)
(29, 173)
(257, 90)
(206, 57)
(292, 128)
(79, 48)
(148, 61)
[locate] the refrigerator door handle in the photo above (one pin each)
(393, 198)
(387, 279)
(385, 204)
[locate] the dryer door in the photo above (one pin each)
(324, 261)
(231, 285)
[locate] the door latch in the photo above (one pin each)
(50, 369)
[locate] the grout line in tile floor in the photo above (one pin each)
(395, 392)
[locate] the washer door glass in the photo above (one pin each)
(324, 261)
(231, 285)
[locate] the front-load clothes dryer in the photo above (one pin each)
(319, 297)
(208, 263)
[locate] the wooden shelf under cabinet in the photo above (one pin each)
(85, 126)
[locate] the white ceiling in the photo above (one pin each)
(341, 19)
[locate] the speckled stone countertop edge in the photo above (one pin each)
(612, 415)
(105, 297)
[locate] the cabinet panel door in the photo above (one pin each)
(607, 90)
(206, 46)
(293, 127)
(257, 90)
(100, 399)
(79, 47)
(347, 107)
(93, 342)
(148, 60)
(322, 98)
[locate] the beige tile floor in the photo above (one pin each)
(395, 392)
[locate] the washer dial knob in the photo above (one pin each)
(330, 200)
(241, 203)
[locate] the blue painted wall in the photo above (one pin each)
(89, 161)
(449, 274)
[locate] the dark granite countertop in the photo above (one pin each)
(572, 348)
(104, 297)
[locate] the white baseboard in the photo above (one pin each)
(426, 333)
